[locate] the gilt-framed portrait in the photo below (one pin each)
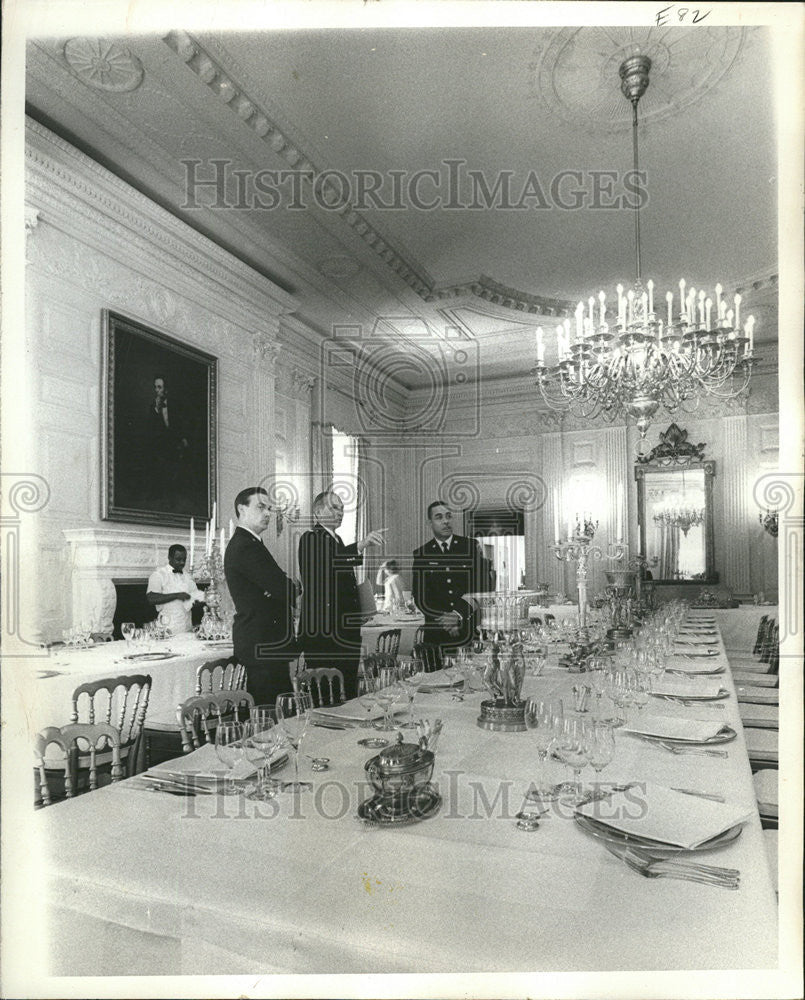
(159, 426)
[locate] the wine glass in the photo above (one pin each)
(570, 746)
(640, 688)
(367, 689)
(412, 675)
(542, 719)
(293, 715)
(127, 631)
(264, 735)
(230, 748)
(386, 693)
(600, 746)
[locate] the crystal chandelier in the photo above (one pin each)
(637, 361)
(680, 516)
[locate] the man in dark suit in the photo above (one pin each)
(445, 568)
(263, 596)
(330, 621)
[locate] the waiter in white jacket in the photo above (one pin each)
(174, 592)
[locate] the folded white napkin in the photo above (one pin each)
(699, 642)
(659, 813)
(680, 665)
(439, 680)
(204, 763)
(687, 730)
(351, 711)
(687, 689)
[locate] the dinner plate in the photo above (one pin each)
(602, 831)
(697, 642)
(191, 778)
(695, 673)
(376, 810)
(722, 694)
(727, 735)
(149, 656)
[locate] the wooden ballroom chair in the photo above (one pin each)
(225, 674)
(121, 702)
(429, 655)
(759, 716)
(419, 635)
(763, 656)
(375, 661)
(757, 695)
(767, 794)
(77, 741)
(200, 709)
(389, 641)
(313, 682)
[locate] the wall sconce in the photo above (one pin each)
(286, 512)
(769, 520)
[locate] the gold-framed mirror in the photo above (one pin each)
(675, 510)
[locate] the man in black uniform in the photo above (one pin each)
(446, 568)
(262, 632)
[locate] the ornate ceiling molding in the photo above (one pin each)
(573, 72)
(103, 64)
(488, 290)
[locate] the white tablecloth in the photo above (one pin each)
(50, 681)
(300, 885)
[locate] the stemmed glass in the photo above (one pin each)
(570, 746)
(127, 631)
(412, 675)
(264, 735)
(293, 715)
(542, 719)
(367, 690)
(230, 748)
(386, 693)
(600, 746)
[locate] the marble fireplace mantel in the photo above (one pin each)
(101, 556)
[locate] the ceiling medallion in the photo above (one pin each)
(103, 64)
(573, 73)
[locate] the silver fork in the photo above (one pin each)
(648, 869)
(693, 751)
(675, 861)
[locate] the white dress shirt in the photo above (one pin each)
(165, 581)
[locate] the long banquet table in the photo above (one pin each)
(214, 884)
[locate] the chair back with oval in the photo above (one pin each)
(324, 684)
(389, 641)
(76, 741)
(200, 716)
(118, 701)
(225, 674)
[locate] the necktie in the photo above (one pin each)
(444, 547)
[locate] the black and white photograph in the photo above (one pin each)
(402, 499)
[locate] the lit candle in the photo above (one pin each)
(591, 304)
(650, 286)
(701, 308)
(669, 298)
(619, 513)
(603, 309)
(556, 515)
(644, 301)
(737, 301)
(708, 305)
(718, 301)
(692, 306)
(729, 318)
(722, 312)
(621, 306)
(750, 327)
(630, 300)
(223, 543)
(579, 320)
(214, 515)
(206, 538)
(681, 295)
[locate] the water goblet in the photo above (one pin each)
(263, 735)
(542, 721)
(127, 631)
(293, 715)
(412, 675)
(600, 746)
(230, 748)
(367, 689)
(570, 746)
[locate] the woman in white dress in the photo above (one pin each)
(388, 577)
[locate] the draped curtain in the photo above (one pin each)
(321, 456)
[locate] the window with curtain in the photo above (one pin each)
(346, 459)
